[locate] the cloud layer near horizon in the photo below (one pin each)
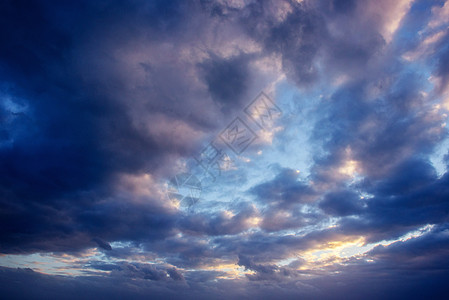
(102, 102)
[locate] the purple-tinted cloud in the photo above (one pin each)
(101, 102)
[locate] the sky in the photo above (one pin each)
(224, 149)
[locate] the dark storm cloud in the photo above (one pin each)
(74, 226)
(267, 248)
(102, 244)
(151, 282)
(356, 279)
(380, 132)
(276, 219)
(442, 61)
(343, 6)
(410, 197)
(414, 202)
(408, 176)
(261, 248)
(112, 287)
(427, 252)
(342, 34)
(353, 42)
(226, 79)
(145, 271)
(220, 223)
(267, 272)
(73, 133)
(263, 272)
(298, 38)
(379, 114)
(342, 203)
(415, 268)
(69, 129)
(184, 251)
(285, 190)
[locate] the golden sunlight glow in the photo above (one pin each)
(348, 168)
(253, 222)
(332, 252)
(228, 214)
(232, 271)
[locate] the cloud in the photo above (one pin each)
(225, 222)
(389, 216)
(284, 190)
(100, 103)
(341, 203)
(226, 78)
(102, 244)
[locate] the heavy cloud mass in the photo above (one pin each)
(220, 149)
